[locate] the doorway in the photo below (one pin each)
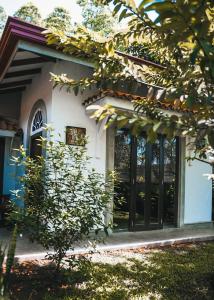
(2, 147)
(146, 191)
(35, 146)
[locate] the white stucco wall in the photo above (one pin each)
(67, 110)
(41, 88)
(198, 193)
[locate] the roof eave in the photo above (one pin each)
(15, 30)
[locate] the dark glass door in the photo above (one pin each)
(170, 181)
(2, 146)
(146, 188)
(123, 185)
(139, 165)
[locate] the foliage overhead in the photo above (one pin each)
(59, 19)
(97, 17)
(181, 37)
(3, 18)
(29, 13)
(64, 198)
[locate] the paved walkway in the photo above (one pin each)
(120, 240)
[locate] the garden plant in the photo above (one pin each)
(65, 200)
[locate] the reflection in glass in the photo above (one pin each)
(140, 181)
(155, 182)
(169, 181)
(122, 188)
(152, 185)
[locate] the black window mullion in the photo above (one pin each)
(133, 168)
(2, 151)
(161, 182)
(148, 184)
(177, 175)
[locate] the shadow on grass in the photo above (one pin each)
(173, 273)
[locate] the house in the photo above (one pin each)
(160, 188)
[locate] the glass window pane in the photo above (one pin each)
(155, 182)
(122, 188)
(169, 181)
(140, 181)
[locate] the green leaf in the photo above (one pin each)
(123, 14)
(143, 4)
(122, 123)
(151, 135)
(76, 90)
(117, 8)
(157, 126)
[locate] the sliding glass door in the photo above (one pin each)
(146, 188)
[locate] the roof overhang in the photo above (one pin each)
(20, 35)
(24, 50)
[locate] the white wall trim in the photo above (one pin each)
(44, 50)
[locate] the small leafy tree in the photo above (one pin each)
(181, 39)
(97, 17)
(59, 19)
(64, 198)
(29, 13)
(3, 18)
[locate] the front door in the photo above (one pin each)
(2, 146)
(146, 190)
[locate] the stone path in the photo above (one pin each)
(119, 240)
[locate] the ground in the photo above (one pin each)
(176, 272)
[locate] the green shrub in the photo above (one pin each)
(64, 198)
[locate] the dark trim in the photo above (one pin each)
(2, 153)
(28, 61)
(45, 57)
(133, 165)
(140, 61)
(9, 91)
(161, 183)
(147, 184)
(177, 181)
(15, 83)
(23, 73)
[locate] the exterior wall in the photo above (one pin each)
(67, 110)
(41, 88)
(198, 192)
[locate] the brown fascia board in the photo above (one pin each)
(140, 61)
(16, 30)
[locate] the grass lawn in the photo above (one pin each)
(178, 272)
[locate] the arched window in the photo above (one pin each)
(37, 122)
(38, 118)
